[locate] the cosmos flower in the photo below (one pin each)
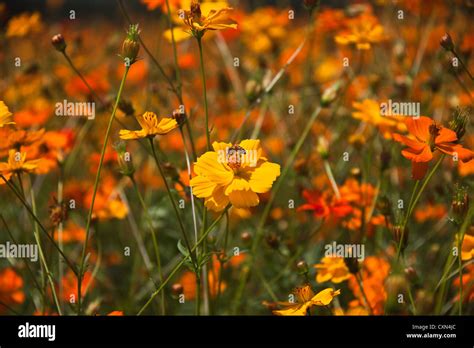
(332, 269)
(363, 31)
(306, 299)
(17, 163)
(233, 174)
(24, 24)
(5, 115)
(151, 127)
(426, 137)
(200, 18)
(11, 285)
(368, 110)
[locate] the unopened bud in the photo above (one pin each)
(447, 42)
(59, 43)
(130, 45)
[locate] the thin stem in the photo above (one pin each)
(155, 241)
(330, 176)
(361, 286)
(96, 185)
(91, 90)
(203, 75)
(415, 201)
(462, 64)
(41, 254)
(259, 233)
(181, 263)
(33, 215)
(172, 201)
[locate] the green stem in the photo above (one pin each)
(172, 201)
(413, 202)
(259, 233)
(155, 241)
(181, 263)
(33, 215)
(41, 254)
(96, 185)
(203, 75)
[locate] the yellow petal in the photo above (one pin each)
(262, 177)
(218, 200)
(323, 298)
(179, 33)
(166, 125)
(202, 186)
(220, 146)
(126, 134)
(244, 199)
(207, 165)
(237, 184)
(295, 310)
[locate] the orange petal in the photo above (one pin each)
(419, 127)
(446, 136)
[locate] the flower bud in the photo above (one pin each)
(59, 43)
(302, 267)
(124, 159)
(330, 94)
(460, 203)
(246, 237)
(130, 45)
(323, 148)
(310, 4)
(460, 119)
(177, 289)
(447, 42)
(401, 234)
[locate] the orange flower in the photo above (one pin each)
(426, 137)
(323, 206)
(430, 211)
(11, 286)
(17, 163)
(72, 233)
(363, 31)
(374, 272)
(69, 283)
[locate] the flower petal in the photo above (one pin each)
(262, 178)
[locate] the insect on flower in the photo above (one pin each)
(230, 174)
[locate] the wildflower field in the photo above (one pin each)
(178, 157)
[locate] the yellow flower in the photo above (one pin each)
(24, 24)
(369, 111)
(202, 17)
(233, 173)
(363, 31)
(17, 163)
(332, 269)
(150, 127)
(306, 299)
(5, 115)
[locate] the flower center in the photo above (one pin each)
(234, 156)
(434, 130)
